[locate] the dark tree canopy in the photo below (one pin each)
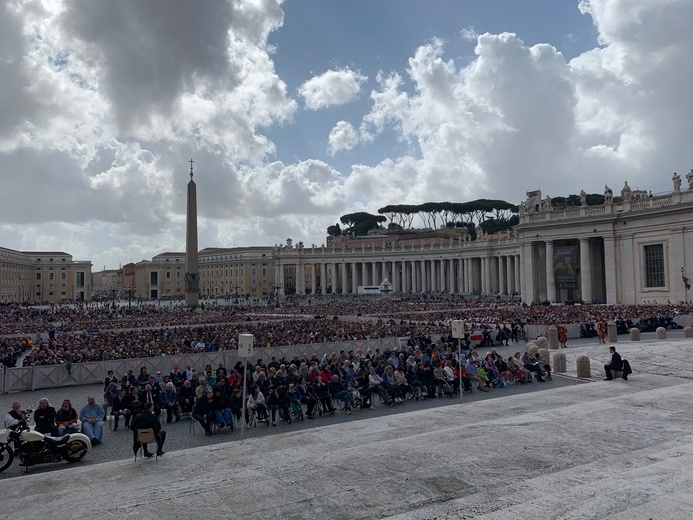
(449, 214)
(334, 231)
(361, 223)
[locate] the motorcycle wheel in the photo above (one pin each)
(6, 457)
(76, 450)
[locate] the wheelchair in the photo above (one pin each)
(259, 417)
(296, 410)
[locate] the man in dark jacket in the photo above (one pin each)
(616, 364)
(144, 420)
(186, 397)
(203, 411)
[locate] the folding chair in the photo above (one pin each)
(146, 436)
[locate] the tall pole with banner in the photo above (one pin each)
(458, 332)
(245, 351)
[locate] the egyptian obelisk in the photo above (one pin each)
(192, 278)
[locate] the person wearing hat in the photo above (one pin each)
(177, 377)
(158, 378)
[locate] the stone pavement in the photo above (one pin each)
(607, 449)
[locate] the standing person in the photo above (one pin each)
(562, 335)
(143, 420)
(616, 364)
(92, 415)
(16, 417)
(44, 418)
(66, 419)
(601, 331)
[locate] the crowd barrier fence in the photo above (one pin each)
(22, 379)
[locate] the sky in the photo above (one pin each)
(297, 112)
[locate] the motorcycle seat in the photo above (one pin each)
(57, 441)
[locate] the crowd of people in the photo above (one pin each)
(283, 389)
(147, 331)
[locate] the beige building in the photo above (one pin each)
(35, 276)
(224, 272)
(107, 284)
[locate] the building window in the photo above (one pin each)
(50, 276)
(168, 275)
(79, 277)
(654, 265)
(63, 276)
(38, 276)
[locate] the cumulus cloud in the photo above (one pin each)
(342, 137)
(334, 87)
(104, 102)
(468, 33)
(520, 117)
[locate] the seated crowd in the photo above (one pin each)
(280, 389)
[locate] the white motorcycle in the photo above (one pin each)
(35, 448)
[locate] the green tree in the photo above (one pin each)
(334, 231)
(361, 223)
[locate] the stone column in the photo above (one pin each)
(374, 275)
(502, 288)
(585, 270)
(460, 275)
(344, 278)
(528, 292)
(627, 290)
(300, 278)
(443, 276)
(434, 275)
(280, 277)
(323, 278)
(313, 278)
(550, 277)
(354, 278)
(610, 270)
(405, 281)
(486, 265)
(678, 252)
(467, 275)
(518, 277)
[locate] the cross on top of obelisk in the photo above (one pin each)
(191, 168)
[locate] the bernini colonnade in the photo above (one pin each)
(636, 248)
(466, 268)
